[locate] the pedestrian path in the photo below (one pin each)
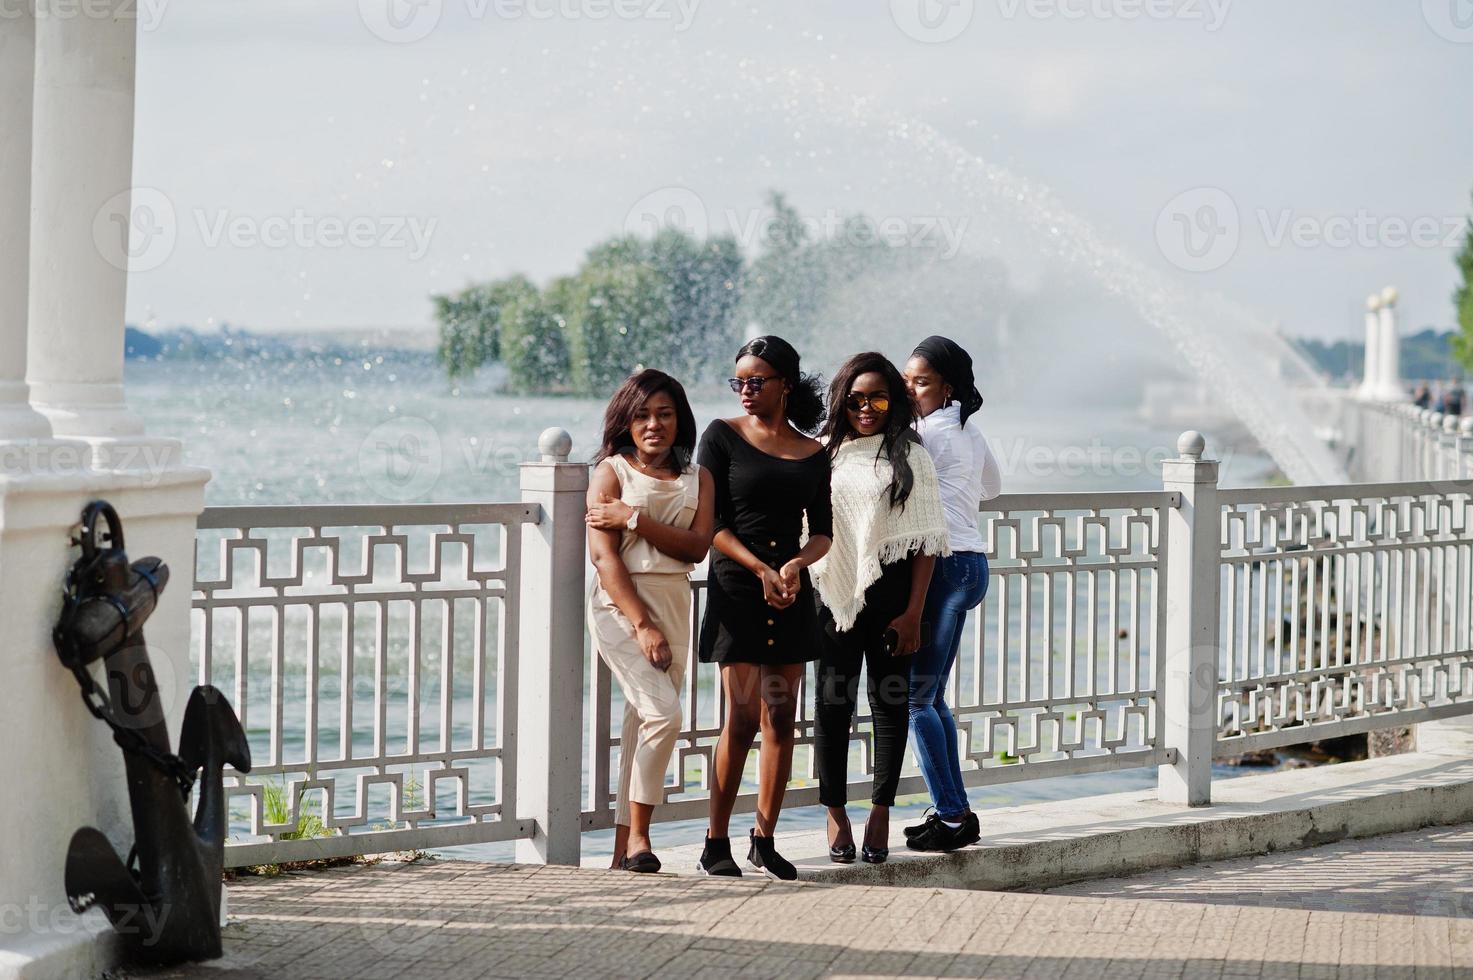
(1396, 907)
(1425, 873)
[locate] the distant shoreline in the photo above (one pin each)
(185, 343)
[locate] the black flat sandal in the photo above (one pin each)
(644, 863)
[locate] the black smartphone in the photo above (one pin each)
(892, 638)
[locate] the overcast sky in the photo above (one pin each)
(332, 163)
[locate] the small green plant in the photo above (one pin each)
(1007, 758)
(413, 793)
(278, 811)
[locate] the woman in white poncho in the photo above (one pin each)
(889, 527)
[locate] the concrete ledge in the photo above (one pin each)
(1046, 844)
(64, 945)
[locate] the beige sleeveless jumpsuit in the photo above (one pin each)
(651, 696)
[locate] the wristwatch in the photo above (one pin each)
(633, 518)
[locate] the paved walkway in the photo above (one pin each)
(1399, 907)
(1425, 873)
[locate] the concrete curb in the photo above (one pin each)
(1050, 844)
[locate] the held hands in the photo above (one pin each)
(907, 627)
(791, 576)
(655, 647)
(609, 514)
(775, 590)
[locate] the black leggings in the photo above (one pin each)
(842, 654)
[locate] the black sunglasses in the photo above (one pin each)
(754, 383)
(857, 401)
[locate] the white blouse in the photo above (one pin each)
(966, 468)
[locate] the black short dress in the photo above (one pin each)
(762, 499)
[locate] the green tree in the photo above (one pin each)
(534, 345)
(704, 280)
(618, 321)
(470, 323)
(1462, 342)
(783, 288)
(702, 284)
(796, 278)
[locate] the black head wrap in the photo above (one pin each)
(947, 359)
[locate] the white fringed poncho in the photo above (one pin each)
(868, 532)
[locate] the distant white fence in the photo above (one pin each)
(419, 675)
(1399, 441)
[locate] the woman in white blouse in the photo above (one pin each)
(939, 378)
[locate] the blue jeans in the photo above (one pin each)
(958, 584)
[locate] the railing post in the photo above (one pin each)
(549, 707)
(1465, 448)
(1193, 557)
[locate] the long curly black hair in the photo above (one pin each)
(897, 437)
(805, 395)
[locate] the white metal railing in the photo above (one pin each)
(368, 652)
(1399, 441)
(1343, 609)
(422, 673)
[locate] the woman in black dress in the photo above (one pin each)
(761, 623)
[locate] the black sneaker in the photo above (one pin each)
(930, 817)
(716, 859)
(937, 836)
(973, 828)
(764, 857)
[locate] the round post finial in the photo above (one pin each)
(1389, 296)
(1191, 444)
(1450, 423)
(1465, 427)
(555, 444)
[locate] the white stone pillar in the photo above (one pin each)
(1371, 373)
(1193, 555)
(80, 198)
(18, 420)
(549, 708)
(1390, 387)
(59, 765)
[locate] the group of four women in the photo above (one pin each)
(859, 547)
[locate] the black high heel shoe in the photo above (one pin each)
(842, 853)
(874, 855)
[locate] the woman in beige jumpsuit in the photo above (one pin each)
(651, 516)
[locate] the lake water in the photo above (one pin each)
(387, 429)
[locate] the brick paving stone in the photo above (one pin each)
(1398, 907)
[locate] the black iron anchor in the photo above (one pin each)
(168, 909)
